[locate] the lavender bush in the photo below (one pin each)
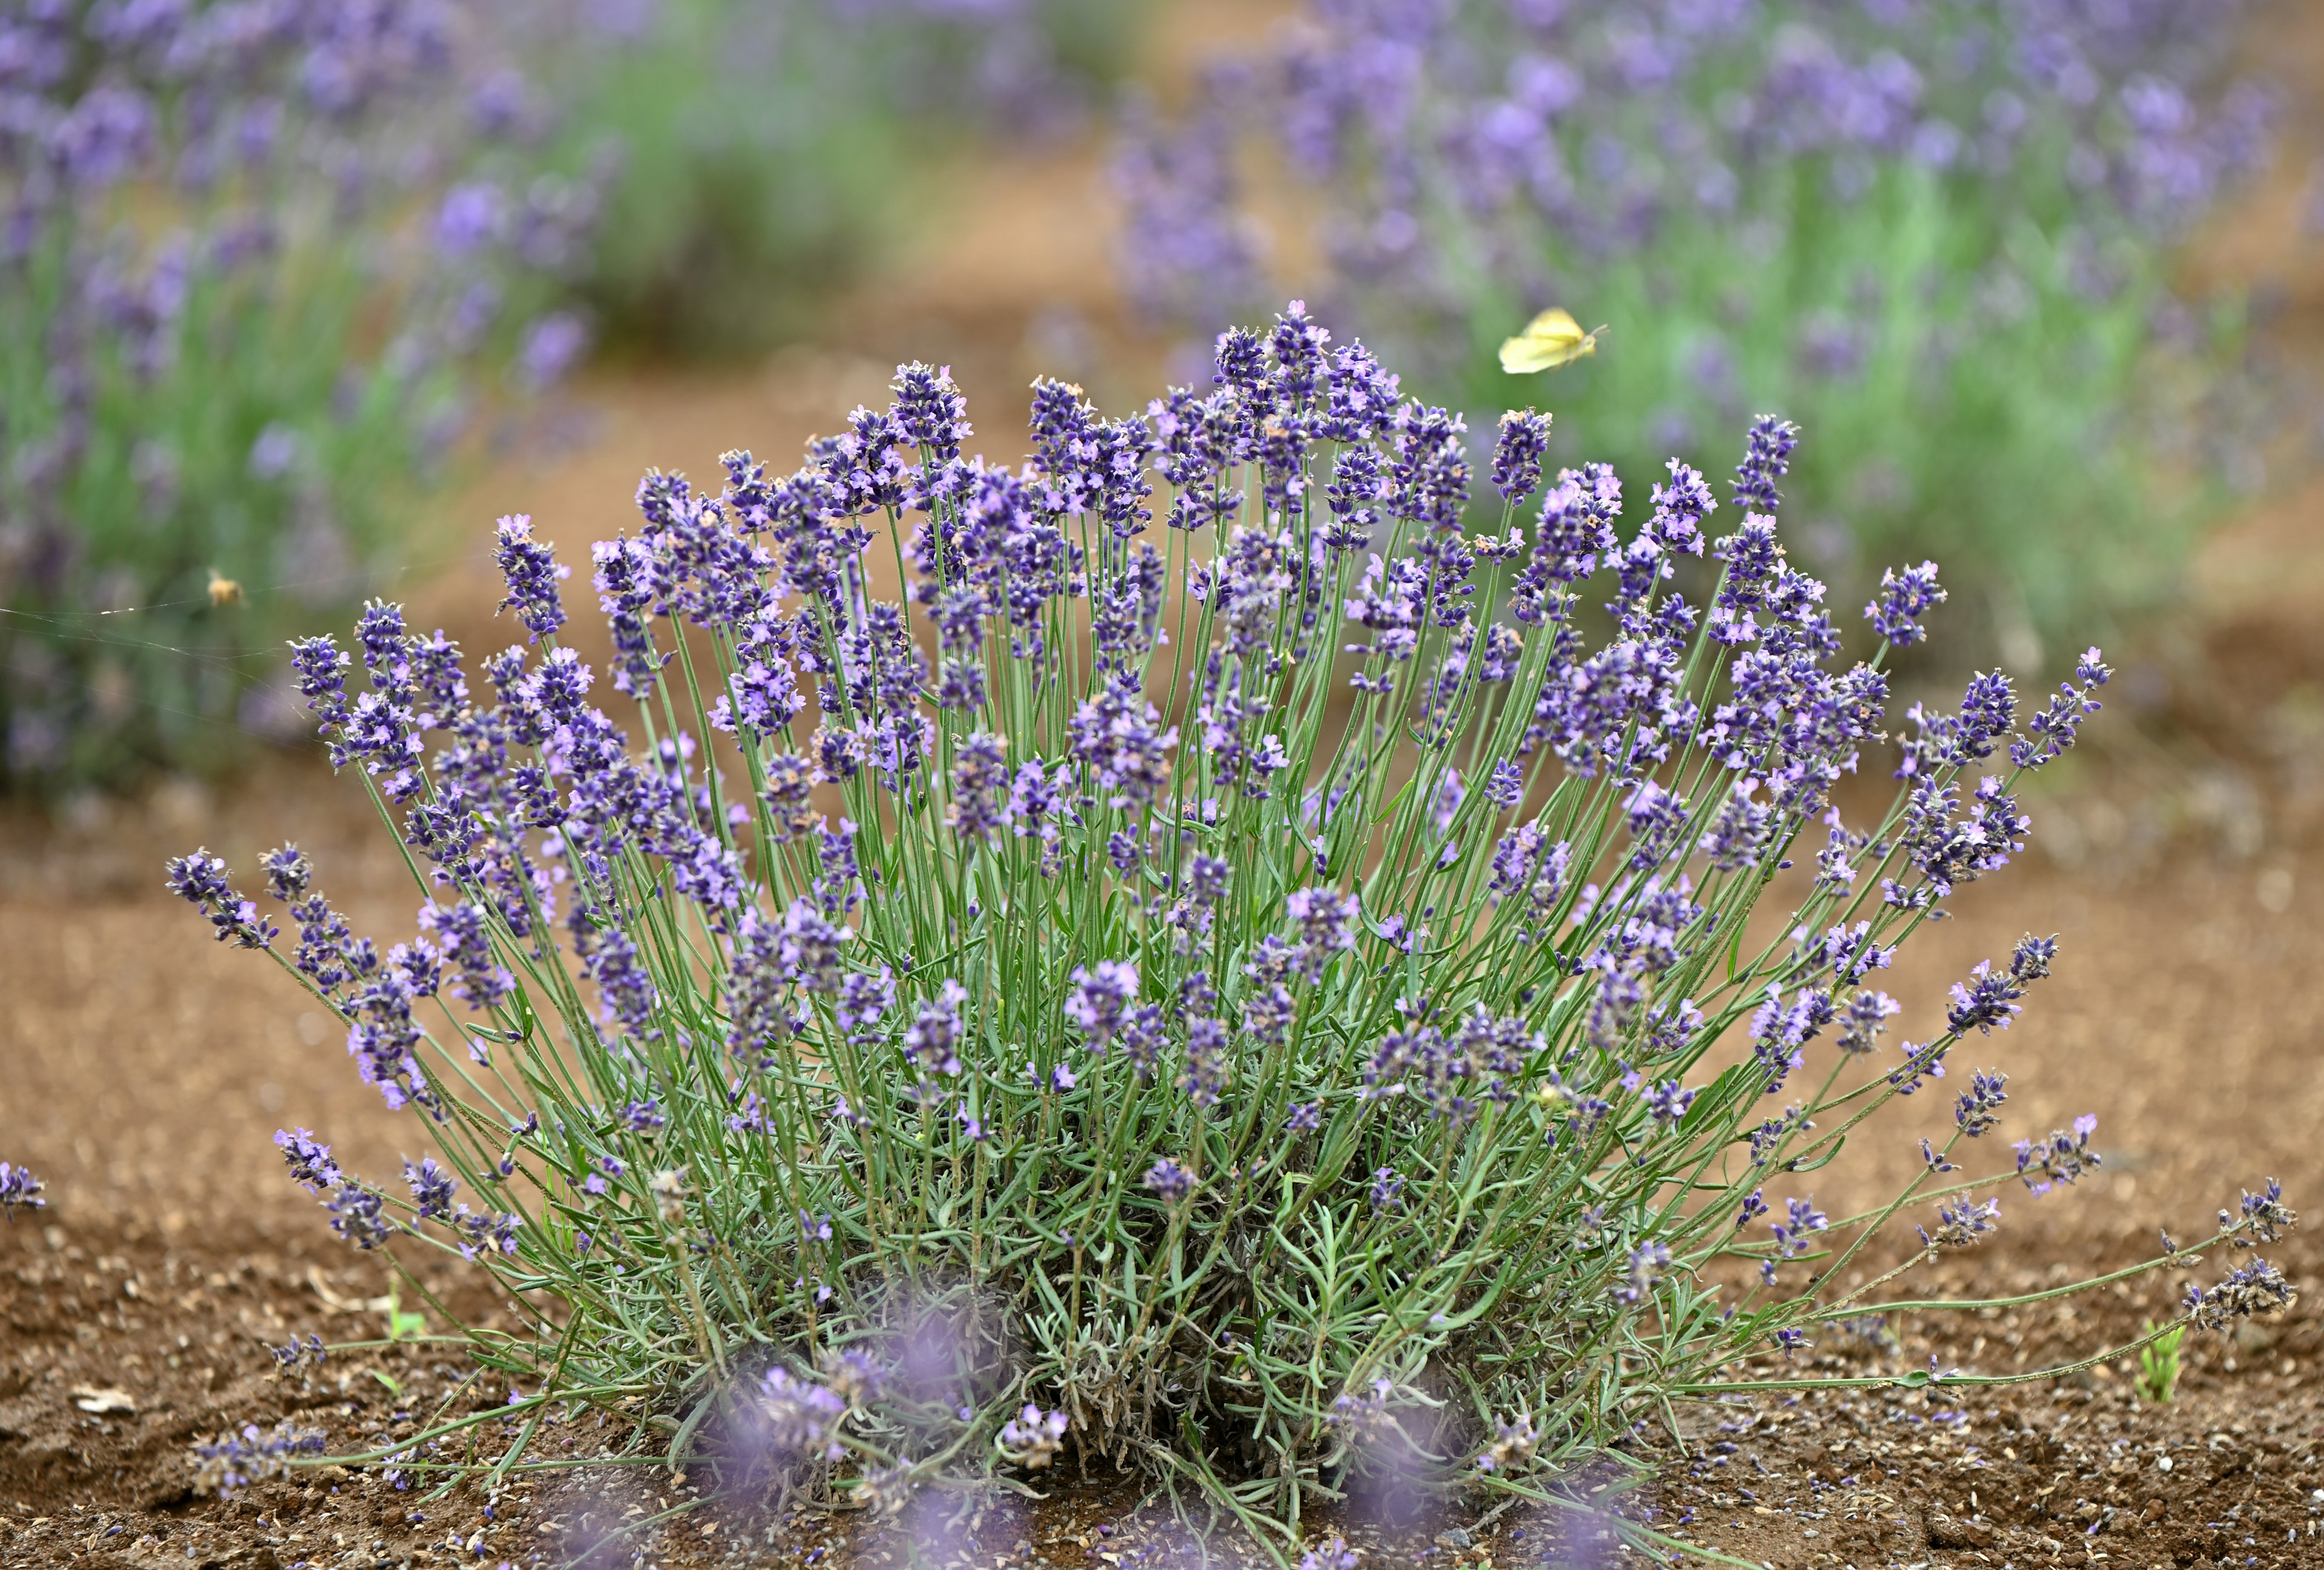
(1268, 1001)
(249, 278)
(1935, 231)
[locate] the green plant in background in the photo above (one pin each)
(2158, 1364)
(756, 152)
(250, 290)
(1279, 1007)
(1937, 233)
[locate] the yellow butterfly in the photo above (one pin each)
(1551, 340)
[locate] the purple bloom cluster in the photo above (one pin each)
(1168, 1181)
(1960, 1223)
(200, 881)
(932, 1042)
(1976, 1111)
(309, 1353)
(1906, 596)
(2264, 1216)
(1801, 1219)
(1646, 1265)
(2062, 1157)
(1988, 999)
(1332, 1554)
(2053, 730)
(796, 1419)
(532, 572)
(1327, 922)
(1033, 1438)
(2256, 1288)
(235, 1460)
(19, 1190)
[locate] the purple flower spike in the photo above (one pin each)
(1033, 1438)
(19, 1190)
(1517, 456)
(980, 787)
(1388, 1190)
(237, 1461)
(1766, 457)
(1169, 1181)
(1667, 1104)
(1327, 925)
(2257, 1287)
(200, 881)
(1101, 1000)
(930, 410)
(552, 346)
(1960, 1223)
(1905, 597)
(1976, 1111)
(1647, 1264)
(531, 572)
(1332, 1554)
(432, 1188)
(2062, 1157)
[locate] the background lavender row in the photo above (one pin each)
(1935, 233)
(266, 264)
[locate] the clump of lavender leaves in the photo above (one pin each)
(1270, 998)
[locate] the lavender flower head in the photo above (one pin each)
(1327, 922)
(1517, 455)
(19, 1190)
(1906, 596)
(236, 1461)
(1976, 1111)
(200, 879)
(1033, 1438)
(1100, 1001)
(1332, 1554)
(2253, 1288)
(1962, 1222)
(1646, 1264)
(798, 1420)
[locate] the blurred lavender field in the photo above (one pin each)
(1940, 233)
(272, 269)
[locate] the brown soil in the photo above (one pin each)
(147, 1069)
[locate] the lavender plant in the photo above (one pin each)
(257, 258)
(1938, 233)
(1270, 1000)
